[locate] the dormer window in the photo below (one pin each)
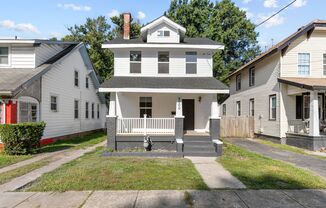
(163, 33)
(4, 56)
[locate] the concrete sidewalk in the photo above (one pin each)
(318, 166)
(175, 199)
(59, 160)
(214, 175)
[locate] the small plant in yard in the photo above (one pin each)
(22, 138)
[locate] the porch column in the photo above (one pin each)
(178, 129)
(215, 119)
(111, 123)
(314, 117)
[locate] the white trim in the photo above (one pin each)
(310, 67)
(168, 46)
(9, 41)
(161, 20)
(164, 90)
(9, 56)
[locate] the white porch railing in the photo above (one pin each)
(298, 126)
(145, 126)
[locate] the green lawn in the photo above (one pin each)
(7, 176)
(75, 143)
(94, 172)
(260, 172)
(288, 148)
(6, 160)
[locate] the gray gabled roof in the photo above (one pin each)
(186, 41)
(206, 83)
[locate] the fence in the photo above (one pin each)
(237, 126)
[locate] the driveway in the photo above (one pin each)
(318, 166)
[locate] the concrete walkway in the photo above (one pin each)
(175, 199)
(59, 160)
(318, 166)
(32, 160)
(214, 175)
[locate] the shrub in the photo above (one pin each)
(22, 138)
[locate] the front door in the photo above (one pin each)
(188, 108)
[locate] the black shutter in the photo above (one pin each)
(298, 107)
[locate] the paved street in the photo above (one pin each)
(318, 166)
(155, 199)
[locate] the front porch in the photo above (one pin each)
(305, 112)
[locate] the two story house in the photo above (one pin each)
(163, 86)
(284, 89)
(50, 81)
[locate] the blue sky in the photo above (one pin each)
(48, 18)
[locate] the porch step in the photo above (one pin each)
(197, 138)
(201, 148)
(201, 154)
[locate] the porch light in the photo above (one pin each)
(199, 99)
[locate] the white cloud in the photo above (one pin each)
(113, 13)
(56, 35)
(21, 27)
(270, 3)
(299, 3)
(141, 15)
(274, 21)
(75, 7)
(248, 13)
(246, 1)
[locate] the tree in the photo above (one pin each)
(223, 22)
(93, 33)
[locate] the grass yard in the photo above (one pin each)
(288, 148)
(7, 176)
(75, 143)
(94, 172)
(260, 172)
(6, 160)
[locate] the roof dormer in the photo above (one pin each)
(163, 30)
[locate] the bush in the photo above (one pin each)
(22, 138)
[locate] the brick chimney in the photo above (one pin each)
(126, 25)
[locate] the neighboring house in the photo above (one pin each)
(284, 89)
(49, 81)
(169, 79)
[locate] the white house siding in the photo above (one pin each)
(152, 36)
(149, 63)
(46, 51)
(59, 81)
(315, 45)
(164, 105)
(22, 56)
(266, 84)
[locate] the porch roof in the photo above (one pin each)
(305, 83)
(164, 84)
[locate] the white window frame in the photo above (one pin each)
(238, 108)
(162, 62)
(98, 111)
(78, 109)
(194, 63)
(57, 98)
(136, 62)
(87, 82)
(252, 74)
(298, 66)
(30, 101)
(271, 118)
(93, 110)
(324, 64)
(86, 110)
(78, 84)
(9, 56)
(161, 33)
(251, 107)
(146, 108)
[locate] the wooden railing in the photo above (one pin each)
(145, 126)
